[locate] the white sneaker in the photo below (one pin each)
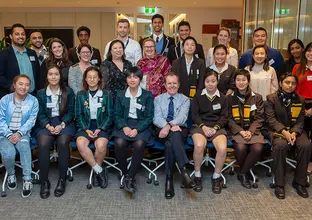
(11, 182)
(27, 188)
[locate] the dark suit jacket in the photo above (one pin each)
(95, 59)
(9, 69)
(175, 52)
(168, 42)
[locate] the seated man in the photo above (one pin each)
(170, 116)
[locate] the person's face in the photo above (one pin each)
(18, 37)
(85, 54)
(133, 81)
(36, 40)
(220, 56)
(57, 49)
(149, 49)
(259, 38)
(259, 55)
(83, 37)
(223, 37)
(117, 50)
(241, 82)
(123, 29)
(211, 83)
(296, 50)
(172, 85)
(308, 55)
(189, 47)
(157, 25)
(22, 86)
(92, 79)
(184, 32)
(289, 84)
(53, 76)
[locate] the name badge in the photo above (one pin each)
(32, 58)
(271, 62)
(216, 106)
(98, 105)
(94, 62)
(309, 78)
(50, 105)
(138, 106)
(25, 108)
(253, 107)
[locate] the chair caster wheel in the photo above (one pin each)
(272, 185)
(156, 183)
(3, 194)
(231, 173)
(224, 186)
(89, 186)
(122, 186)
(149, 181)
(269, 174)
(254, 185)
(70, 179)
(308, 185)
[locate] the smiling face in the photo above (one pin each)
(241, 82)
(220, 56)
(308, 55)
(133, 81)
(84, 37)
(36, 39)
(223, 37)
(157, 25)
(53, 76)
(211, 83)
(18, 37)
(123, 29)
(189, 47)
(149, 49)
(296, 50)
(57, 49)
(259, 55)
(85, 54)
(92, 79)
(172, 85)
(117, 50)
(260, 38)
(21, 86)
(184, 32)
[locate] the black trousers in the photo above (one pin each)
(303, 154)
(174, 149)
(308, 122)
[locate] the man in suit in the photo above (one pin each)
(83, 34)
(16, 60)
(176, 51)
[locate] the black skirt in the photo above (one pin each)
(69, 130)
(93, 127)
(197, 130)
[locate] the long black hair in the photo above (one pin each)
(266, 64)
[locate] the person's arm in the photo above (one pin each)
(148, 113)
(201, 53)
(233, 126)
(106, 74)
(223, 115)
(271, 115)
(119, 112)
(166, 69)
(231, 85)
(182, 115)
(195, 112)
(258, 120)
(4, 128)
(234, 58)
(158, 120)
(42, 118)
(109, 113)
(209, 59)
(298, 126)
(72, 80)
(4, 81)
(70, 111)
(29, 124)
(137, 53)
(274, 82)
(106, 50)
(79, 108)
(200, 81)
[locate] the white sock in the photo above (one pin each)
(97, 169)
(216, 175)
(197, 174)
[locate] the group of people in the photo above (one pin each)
(164, 91)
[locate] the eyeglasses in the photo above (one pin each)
(149, 47)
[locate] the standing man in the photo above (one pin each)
(176, 51)
(83, 34)
(133, 49)
(274, 56)
(36, 42)
(16, 60)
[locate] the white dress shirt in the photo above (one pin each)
(55, 101)
(133, 102)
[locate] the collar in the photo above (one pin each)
(309, 67)
(159, 36)
(49, 92)
(43, 48)
(128, 94)
(190, 62)
(167, 96)
(99, 93)
(214, 67)
(205, 92)
(17, 51)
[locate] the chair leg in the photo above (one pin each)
(3, 192)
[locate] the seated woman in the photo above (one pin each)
(246, 117)
(154, 67)
(134, 111)
(285, 116)
(55, 123)
(94, 117)
(18, 113)
(209, 114)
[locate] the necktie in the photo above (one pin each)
(157, 39)
(170, 110)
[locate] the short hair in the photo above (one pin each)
(123, 20)
(210, 73)
(109, 53)
(184, 23)
(17, 25)
(288, 74)
(220, 46)
(83, 28)
(134, 70)
(85, 85)
(35, 31)
(172, 74)
(190, 38)
(298, 41)
(225, 29)
(158, 16)
(84, 45)
(259, 29)
(242, 72)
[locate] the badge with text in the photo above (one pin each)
(216, 106)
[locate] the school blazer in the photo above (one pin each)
(175, 52)
(167, 42)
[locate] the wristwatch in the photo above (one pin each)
(63, 125)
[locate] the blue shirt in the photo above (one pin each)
(25, 66)
(159, 45)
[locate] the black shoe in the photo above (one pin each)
(198, 184)
(169, 189)
(301, 190)
(45, 190)
(187, 182)
(129, 184)
(279, 192)
(102, 178)
(95, 182)
(243, 178)
(60, 188)
(217, 185)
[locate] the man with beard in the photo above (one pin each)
(132, 48)
(16, 60)
(83, 33)
(36, 41)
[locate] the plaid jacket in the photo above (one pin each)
(145, 114)
(104, 117)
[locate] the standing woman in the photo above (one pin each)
(304, 88)
(55, 123)
(94, 117)
(246, 117)
(134, 113)
(58, 55)
(114, 67)
(209, 114)
(18, 113)
(75, 75)
(225, 71)
(263, 79)
(189, 68)
(224, 37)
(154, 67)
(295, 50)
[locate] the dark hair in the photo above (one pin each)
(16, 78)
(190, 38)
(85, 85)
(64, 104)
(135, 71)
(266, 65)
(220, 46)
(109, 53)
(84, 45)
(210, 73)
(301, 71)
(184, 23)
(158, 16)
(287, 74)
(298, 41)
(242, 72)
(51, 57)
(259, 29)
(123, 20)
(171, 74)
(35, 31)
(83, 28)
(17, 25)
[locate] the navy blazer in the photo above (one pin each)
(9, 69)
(167, 42)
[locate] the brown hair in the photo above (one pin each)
(51, 57)
(172, 74)
(85, 85)
(224, 29)
(84, 45)
(16, 78)
(301, 71)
